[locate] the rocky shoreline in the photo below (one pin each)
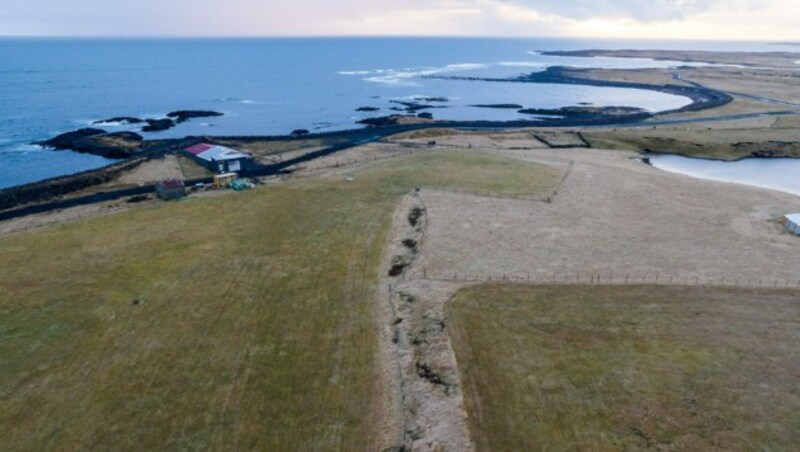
(128, 146)
(120, 145)
(702, 98)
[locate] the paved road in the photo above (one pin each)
(767, 100)
(666, 122)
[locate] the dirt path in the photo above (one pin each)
(425, 405)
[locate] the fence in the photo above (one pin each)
(9, 227)
(610, 278)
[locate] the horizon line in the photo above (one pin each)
(399, 36)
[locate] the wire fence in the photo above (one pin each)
(608, 278)
(58, 217)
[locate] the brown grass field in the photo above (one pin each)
(717, 143)
(234, 322)
(621, 368)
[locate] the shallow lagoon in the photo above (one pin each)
(780, 174)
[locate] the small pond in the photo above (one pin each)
(781, 174)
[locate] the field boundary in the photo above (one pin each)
(612, 278)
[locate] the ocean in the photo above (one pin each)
(274, 86)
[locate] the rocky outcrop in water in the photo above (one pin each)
(502, 106)
(70, 139)
(381, 121)
(158, 125)
(583, 111)
(97, 142)
(180, 116)
(413, 107)
(120, 120)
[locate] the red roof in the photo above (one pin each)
(198, 149)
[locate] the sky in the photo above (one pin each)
(658, 19)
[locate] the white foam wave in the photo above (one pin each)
(405, 77)
(235, 100)
(369, 72)
(523, 64)
(23, 149)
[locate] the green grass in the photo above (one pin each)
(470, 171)
(620, 368)
(255, 328)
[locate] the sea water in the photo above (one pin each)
(273, 86)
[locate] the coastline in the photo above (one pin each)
(702, 98)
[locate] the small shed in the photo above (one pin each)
(793, 223)
(224, 180)
(171, 189)
(218, 158)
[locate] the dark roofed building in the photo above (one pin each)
(218, 158)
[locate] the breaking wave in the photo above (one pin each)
(405, 77)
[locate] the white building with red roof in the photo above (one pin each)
(218, 158)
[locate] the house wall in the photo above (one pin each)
(224, 166)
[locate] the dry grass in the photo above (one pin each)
(787, 122)
(756, 59)
(739, 106)
(620, 368)
(234, 322)
(192, 169)
(268, 147)
(725, 144)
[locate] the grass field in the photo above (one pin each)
(723, 144)
(238, 321)
(620, 368)
(192, 169)
(260, 148)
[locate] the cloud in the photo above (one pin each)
(687, 19)
(647, 11)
